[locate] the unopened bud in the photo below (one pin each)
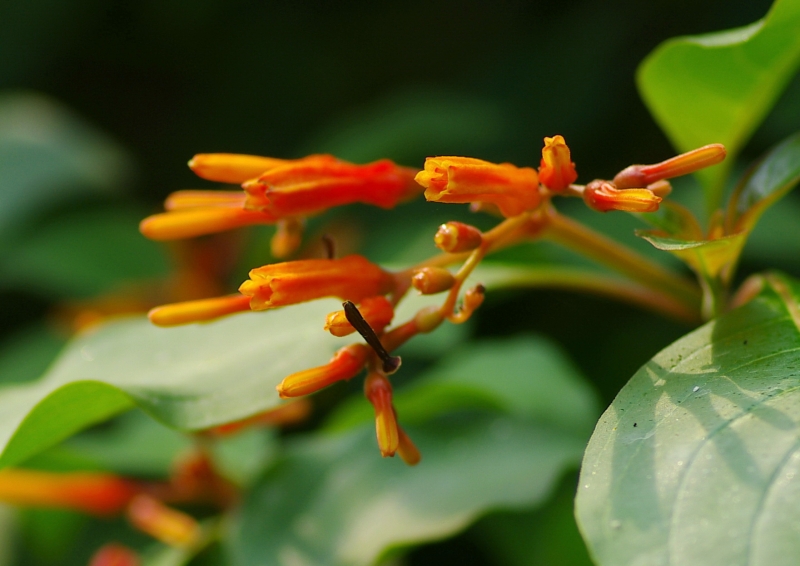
(556, 170)
(454, 237)
(432, 280)
(604, 196)
(168, 525)
(473, 298)
(377, 311)
(637, 176)
(379, 392)
(661, 188)
(407, 450)
(346, 363)
(428, 319)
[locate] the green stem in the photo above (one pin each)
(606, 251)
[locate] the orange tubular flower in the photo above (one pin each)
(232, 167)
(379, 392)
(345, 364)
(377, 311)
(604, 196)
(197, 221)
(556, 171)
(198, 311)
(512, 189)
(95, 493)
(316, 183)
(351, 278)
(683, 164)
(170, 526)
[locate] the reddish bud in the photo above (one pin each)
(114, 554)
(168, 525)
(432, 280)
(556, 171)
(604, 196)
(377, 311)
(346, 363)
(379, 392)
(454, 237)
(637, 176)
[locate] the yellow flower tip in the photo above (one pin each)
(454, 237)
(604, 196)
(168, 525)
(344, 364)
(379, 392)
(556, 171)
(114, 554)
(231, 167)
(95, 493)
(351, 278)
(377, 311)
(198, 311)
(180, 200)
(191, 222)
(451, 179)
(432, 280)
(683, 164)
(407, 450)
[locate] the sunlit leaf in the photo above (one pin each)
(696, 461)
(718, 87)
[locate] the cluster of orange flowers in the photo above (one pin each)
(284, 192)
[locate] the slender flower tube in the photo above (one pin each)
(377, 311)
(201, 310)
(345, 364)
(351, 278)
(168, 525)
(406, 448)
(311, 185)
(95, 493)
(467, 180)
(189, 222)
(232, 167)
(604, 196)
(379, 392)
(286, 414)
(556, 170)
(683, 164)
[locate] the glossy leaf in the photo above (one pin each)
(706, 257)
(333, 500)
(718, 87)
(696, 460)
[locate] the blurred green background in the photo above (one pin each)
(102, 104)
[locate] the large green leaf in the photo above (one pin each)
(498, 441)
(717, 88)
(697, 460)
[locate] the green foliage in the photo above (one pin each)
(717, 88)
(693, 462)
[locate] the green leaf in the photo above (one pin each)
(774, 176)
(696, 460)
(48, 154)
(334, 500)
(718, 87)
(189, 377)
(708, 258)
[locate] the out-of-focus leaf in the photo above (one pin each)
(333, 500)
(48, 154)
(411, 125)
(26, 355)
(695, 462)
(771, 179)
(189, 377)
(544, 537)
(84, 254)
(523, 377)
(718, 87)
(706, 257)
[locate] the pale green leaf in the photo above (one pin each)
(718, 87)
(697, 461)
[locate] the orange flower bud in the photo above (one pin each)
(683, 164)
(96, 493)
(351, 278)
(556, 171)
(379, 392)
(198, 311)
(190, 222)
(432, 280)
(454, 237)
(467, 180)
(377, 311)
(232, 167)
(346, 363)
(473, 298)
(287, 238)
(310, 185)
(407, 450)
(168, 525)
(604, 196)
(181, 200)
(114, 554)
